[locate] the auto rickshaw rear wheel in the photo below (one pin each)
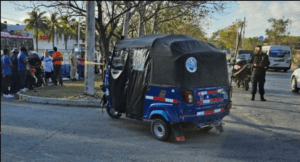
(161, 129)
(112, 113)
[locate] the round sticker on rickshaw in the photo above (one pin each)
(191, 64)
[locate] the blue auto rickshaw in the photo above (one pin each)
(175, 80)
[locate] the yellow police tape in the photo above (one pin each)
(92, 63)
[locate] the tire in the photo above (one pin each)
(112, 113)
(206, 129)
(161, 129)
(238, 84)
(294, 85)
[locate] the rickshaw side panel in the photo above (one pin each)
(162, 99)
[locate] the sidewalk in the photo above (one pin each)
(38, 95)
(57, 101)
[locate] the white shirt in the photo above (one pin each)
(48, 64)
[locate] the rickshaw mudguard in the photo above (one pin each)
(163, 109)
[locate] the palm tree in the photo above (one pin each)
(36, 21)
(65, 23)
(74, 30)
(53, 25)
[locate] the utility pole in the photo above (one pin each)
(78, 33)
(127, 19)
(89, 70)
(237, 33)
(244, 32)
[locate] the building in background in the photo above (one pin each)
(43, 40)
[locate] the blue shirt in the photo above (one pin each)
(5, 62)
(21, 64)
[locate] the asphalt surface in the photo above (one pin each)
(254, 131)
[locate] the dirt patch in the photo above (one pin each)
(70, 90)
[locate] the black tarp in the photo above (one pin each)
(164, 63)
(169, 55)
(139, 68)
(118, 81)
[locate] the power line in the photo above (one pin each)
(11, 19)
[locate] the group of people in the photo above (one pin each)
(18, 70)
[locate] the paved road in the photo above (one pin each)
(254, 131)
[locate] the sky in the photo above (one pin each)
(256, 12)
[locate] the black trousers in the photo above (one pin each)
(57, 71)
(6, 79)
(258, 77)
(22, 78)
(2, 83)
(15, 83)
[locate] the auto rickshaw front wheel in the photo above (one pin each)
(206, 129)
(112, 113)
(161, 129)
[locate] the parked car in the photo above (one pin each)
(295, 80)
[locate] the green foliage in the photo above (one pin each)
(251, 43)
(36, 21)
(278, 30)
(227, 36)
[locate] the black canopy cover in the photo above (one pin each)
(168, 56)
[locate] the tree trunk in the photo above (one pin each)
(66, 41)
(141, 11)
(141, 31)
(89, 70)
(154, 24)
(37, 44)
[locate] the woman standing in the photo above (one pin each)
(48, 66)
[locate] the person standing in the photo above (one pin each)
(57, 58)
(81, 65)
(6, 71)
(15, 73)
(73, 64)
(260, 62)
(48, 66)
(22, 62)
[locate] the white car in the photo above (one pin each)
(295, 80)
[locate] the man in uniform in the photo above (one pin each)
(260, 62)
(73, 64)
(22, 62)
(15, 73)
(6, 71)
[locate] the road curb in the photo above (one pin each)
(57, 101)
